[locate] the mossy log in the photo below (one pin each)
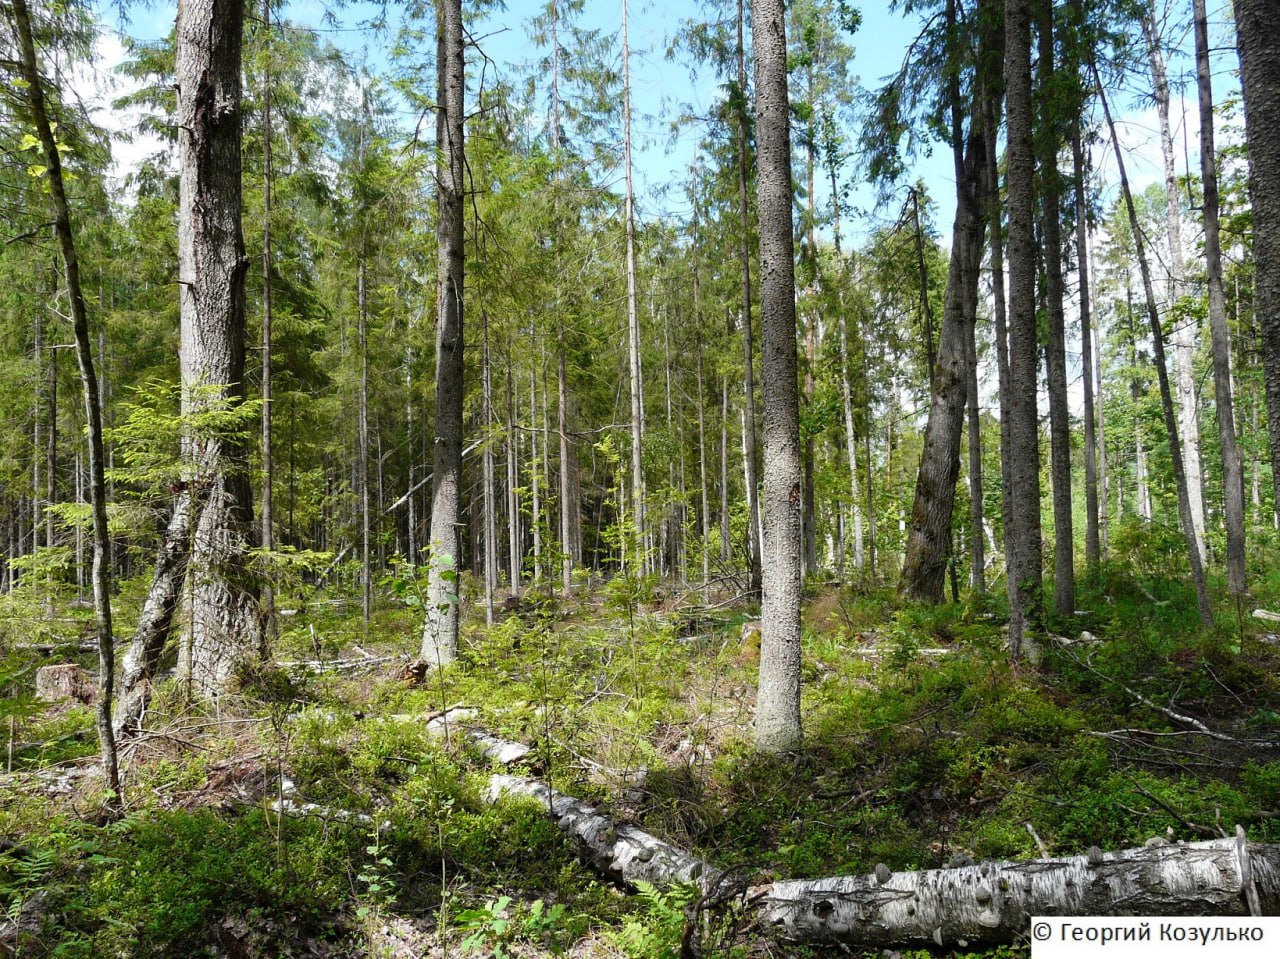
(993, 902)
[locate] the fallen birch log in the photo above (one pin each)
(456, 719)
(623, 852)
(985, 904)
(993, 902)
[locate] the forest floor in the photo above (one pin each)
(923, 748)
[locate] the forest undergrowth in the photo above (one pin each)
(923, 747)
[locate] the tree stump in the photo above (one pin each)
(65, 682)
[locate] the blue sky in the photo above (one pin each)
(660, 87)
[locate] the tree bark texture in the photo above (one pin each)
(226, 627)
(1022, 530)
(1258, 45)
(929, 540)
(993, 902)
(440, 631)
(778, 698)
(1232, 470)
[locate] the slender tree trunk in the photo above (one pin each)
(226, 625)
(1022, 530)
(754, 568)
(1162, 372)
(537, 461)
(490, 494)
(726, 530)
(1092, 543)
(51, 440)
(808, 516)
(977, 549)
(1184, 333)
(926, 311)
(362, 309)
(92, 400)
(633, 312)
(1258, 45)
(778, 710)
(440, 631)
(1104, 482)
(703, 478)
(991, 87)
(513, 480)
(1232, 471)
(1064, 576)
(37, 422)
(268, 530)
(851, 448)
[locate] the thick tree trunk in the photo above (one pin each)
(1022, 530)
(1258, 45)
(1232, 471)
(778, 697)
(994, 902)
(1055, 353)
(929, 541)
(1162, 372)
(440, 630)
(226, 626)
(91, 396)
